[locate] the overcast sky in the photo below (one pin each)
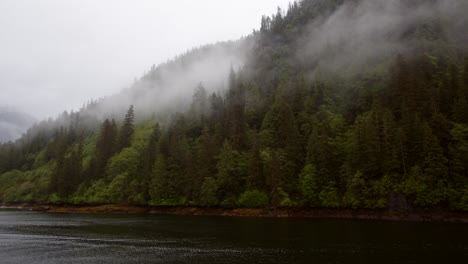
(57, 54)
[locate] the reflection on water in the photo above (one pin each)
(35, 237)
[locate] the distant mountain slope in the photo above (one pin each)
(13, 124)
(169, 87)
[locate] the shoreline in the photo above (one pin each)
(359, 214)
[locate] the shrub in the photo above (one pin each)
(252, 199)
(309, 185)
(208, 192)
(55, 199)
(329, 197)
(229, 202)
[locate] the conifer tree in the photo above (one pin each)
(127, 130)
(106, 147)
(205, 164)
(231, 173)
(199, 108)
(255, 179)
(280, 133)
(147, 160)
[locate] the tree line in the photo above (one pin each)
(275, 137)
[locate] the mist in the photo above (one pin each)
(13, 123)
(169, 87)
(57, 55)
(366, 32)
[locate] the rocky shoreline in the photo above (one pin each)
(363, 214)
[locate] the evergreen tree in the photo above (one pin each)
(106, 147)
(255, 179)
(148, 157)
(231, 174)
(279, 132)
(205, 164)
(127, 130)
(200, 107)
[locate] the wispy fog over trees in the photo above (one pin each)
(334, 104)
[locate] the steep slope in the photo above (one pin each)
(334, 104)
(169, 87)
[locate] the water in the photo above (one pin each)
(35, 237)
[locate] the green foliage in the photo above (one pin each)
(127, 130)
(367, 194)
(381, 189)
(102, 193)
(229, 202)
(284, 199)
(124, 162)
(329, 197)
(55, 199)
(136, 195)
(40, 159)
(422, 189)
(253, 199)
(232, 170)
(31, 186)
(356, 191)
(393, 126)
(462, 202)
(114, 192)
(106, 147)
(10, 180)
(96, 193)
(89, 149)
(165, 190)
(310, 185)
(208, 192)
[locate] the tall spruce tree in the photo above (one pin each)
(127, 130)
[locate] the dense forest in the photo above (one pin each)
(338, 126)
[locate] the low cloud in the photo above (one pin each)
(366, 31)
(170, 86)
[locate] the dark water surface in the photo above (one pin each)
(35, 237)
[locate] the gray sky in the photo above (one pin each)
(57, 54)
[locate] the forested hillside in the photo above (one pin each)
(337, 104)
